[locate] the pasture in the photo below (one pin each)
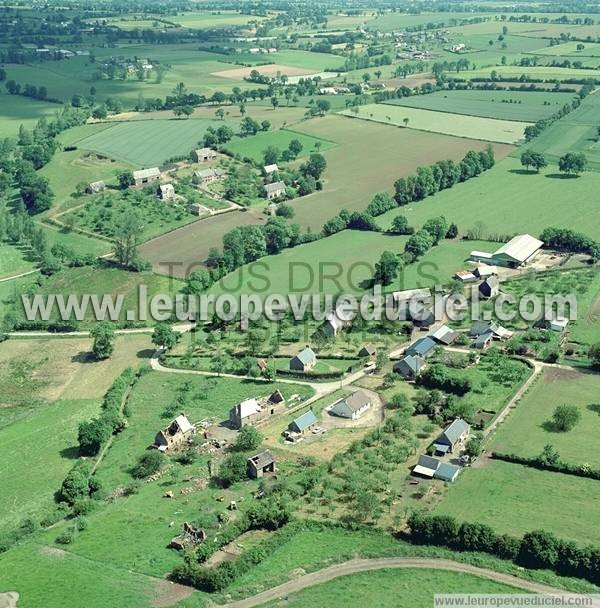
(576, 132)
(149, 143)
(472, 127)
(19, 110)
(570, 49)
(528, 429)
(49, 386)
(295, 58)
(368, 159)
(344, 263)
(273, 70)
(254, 147)
(508, 200)
(80, 243)
(206, 19)
(391, 589)
(14, 259)
(514, 499)
(503, 105)
(535, 72)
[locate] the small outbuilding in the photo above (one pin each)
(95, 187)
(443, 334)
(304, 423)
(368, 350)
(304, 361)
(143, 177)
(166, 192)
(490, 287)
(261, 464)
(269, 169)
(203, 155)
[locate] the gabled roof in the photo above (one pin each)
(209, 173)
(426, 466)
(447, 472)
(264, 459)
(369, 349)
(274, 187)
(421, 347)
(355, 402)
(483, 339)
(409, 294)
(305, 420)
(520, 247)
(484, 270)
(185, 426)
(205, 152)
(410, 365)
(270, 168)
(276, 397)
(443, 334)
(249, 407)
(146, 173)
(453, 432)
(166, 188)
(491, 281)
(306, 356)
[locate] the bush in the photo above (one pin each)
(66, 537)
(148, 464)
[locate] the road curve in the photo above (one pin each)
(365, 565)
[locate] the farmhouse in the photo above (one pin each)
(253, 411)
(517, 252)
(334, 323)
(260, 464)
(352, 407)
(423, 347)
(409, 367)
(453, 437)
(203, 155)
(274, 190)
(478, 328)
(95, 187)
(146, 176)
(207, 176)
(303, 424)
(166, 192)
(490, 287)
(304, 361)
(175, 435)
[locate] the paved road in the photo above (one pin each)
(365, 565)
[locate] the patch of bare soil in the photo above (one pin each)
(559, 374)
(9, 599)
(168, 593)
(52, 552)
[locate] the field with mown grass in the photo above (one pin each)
(514, 499)
(529, 427)
(14, 259)
(445, 123)
(509, 200)
(149, 143)
(368, 159)
(254, 147)
(16, 110)
(507, 105)
(536, 72)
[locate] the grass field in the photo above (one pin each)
(14, 260)
(345, 263)
(391, 589)
(48, 387)
(514, 499)
(473, 127)
(144, 144)
(79, 242)
(254, 147)
(525, 431)
(590, 49)
(541, 72)
(368, 159)
(307, 60)
(576, 132)
(510, 205)
(18, 110)
(505, 105)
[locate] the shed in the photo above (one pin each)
(447, 472)
(203, 155)
(268, 169)
(304, 423)
(426, 466)
(519, 250)
(260, 464)
(443, 334)
(146, 176)
(490, 287)
(95, 187)
(166, 192)
(368, 350)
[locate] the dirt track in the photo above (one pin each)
(364, 565)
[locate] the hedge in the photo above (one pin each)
(568, 468)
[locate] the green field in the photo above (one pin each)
(537, 72)
(514, 499)
(19, 110)
(514, 202)
(576, 132)
(369, 158)
(14, 260)
(149, 143)
(504, 105)
(473, 127)
(293, 58)
(253, 147)
(201, 20)
(525, 432)
(570, 49)
(391, 589)
(344, 262)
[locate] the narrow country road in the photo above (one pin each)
(18, 276)
(366, 565)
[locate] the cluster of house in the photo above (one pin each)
(255, 50)
(273, 189)
(451, 441)
(336, 90)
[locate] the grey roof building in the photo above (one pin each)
(304, 360)
(303, 423)
(422, 348)
(409, 367)
(453, 436)
(352, 407)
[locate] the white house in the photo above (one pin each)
(352, 407)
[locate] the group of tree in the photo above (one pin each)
(565, 239)
(537, 550)
(572, 163)
(437, 376)
(273, 154)
(529, 158)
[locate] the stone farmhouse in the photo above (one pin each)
(304, 361)
(166, 192)
(453, 437)
(203, 155)
(208, 176)
(178, 433)
(143, 177)
(274, 190)
(254, 411)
